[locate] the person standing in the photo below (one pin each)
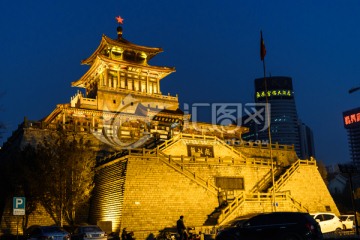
(181, 229)
(124, 234)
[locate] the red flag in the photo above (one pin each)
(262, 47)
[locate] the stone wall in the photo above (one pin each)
(307, 186)
(282, 154)
(156, 195)
(108, 194)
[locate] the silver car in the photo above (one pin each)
(89, 232)
(47, 232)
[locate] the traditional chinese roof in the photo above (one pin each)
(100, 62)
(121, 44)
(144, 111)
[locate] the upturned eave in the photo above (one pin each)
(121, 43)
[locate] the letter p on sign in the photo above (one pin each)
(19, 206)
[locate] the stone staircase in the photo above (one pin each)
(266, 182)
(250, 202)
(263, 193)
(283, 178)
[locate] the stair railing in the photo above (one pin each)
(267, 179)
(230, 208)
(289, 172)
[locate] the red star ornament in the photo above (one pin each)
(119, 20)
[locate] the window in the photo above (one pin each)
(328, 217)
(136, 85)
(319, 217)
(130, 84)
(143, 86)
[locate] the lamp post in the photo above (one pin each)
(350, 169)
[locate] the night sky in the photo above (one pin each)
(214, 46)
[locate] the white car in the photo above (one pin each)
(328, 222)
(347, 221)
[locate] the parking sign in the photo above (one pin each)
(18, 206)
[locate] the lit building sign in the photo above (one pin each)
(200, 150)
(165, 119)
(352, 118)
(274, 93)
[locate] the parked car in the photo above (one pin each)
(89, 232)
(328, 222)
(348, 221)
(46, 232)
(236, 222)
(274, 226)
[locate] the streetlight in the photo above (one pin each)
(354, 89)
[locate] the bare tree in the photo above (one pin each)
(24, 168)
(63, 176)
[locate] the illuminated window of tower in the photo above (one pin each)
(143, 86)
(136, 85)
(122, 81)
(150, 89)
(130, 84)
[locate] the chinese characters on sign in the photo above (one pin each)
(274, 93)
(351, 118)
(165, 119)
(200, 150)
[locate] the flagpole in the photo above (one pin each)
(262, 55)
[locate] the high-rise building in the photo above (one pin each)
(352, 125)
(285, 125)
(306, 141)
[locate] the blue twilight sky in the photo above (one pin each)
(214, 46)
